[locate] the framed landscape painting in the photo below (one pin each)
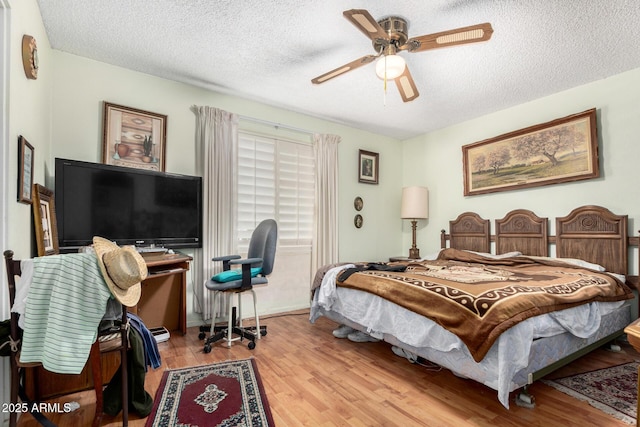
(561, 150)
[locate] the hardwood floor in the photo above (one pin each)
(314, 379)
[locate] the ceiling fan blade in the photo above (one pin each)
(471, 34)
(407, 86)
(367, 59)
(365, 23)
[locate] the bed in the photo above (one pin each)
(591, 248)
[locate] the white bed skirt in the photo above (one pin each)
(519, 352)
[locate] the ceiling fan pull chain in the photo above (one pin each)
(385, 74)
(384, 96)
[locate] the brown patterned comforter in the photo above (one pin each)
(477, 298)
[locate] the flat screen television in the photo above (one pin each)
(126, 205)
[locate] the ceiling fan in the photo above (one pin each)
(390, 36)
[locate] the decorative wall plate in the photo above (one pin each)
(30, 57)
(357, 221)
(358, 203)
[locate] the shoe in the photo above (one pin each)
(358, 336)
(343, 331)
(411, 357)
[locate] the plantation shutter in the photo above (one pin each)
(275, 180)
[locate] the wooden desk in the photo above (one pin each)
(163, 301)
(633, 335)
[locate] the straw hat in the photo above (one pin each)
(122, 268)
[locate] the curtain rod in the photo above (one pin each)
(275, 125)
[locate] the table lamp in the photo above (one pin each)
(415, 206)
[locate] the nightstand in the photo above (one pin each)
(633, 335)
(634, 284)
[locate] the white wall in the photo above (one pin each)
(435, 160)
(81, 85)
(29, 116)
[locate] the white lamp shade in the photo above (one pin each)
(415, 203)
(394, 65)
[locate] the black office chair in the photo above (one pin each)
(254, 271)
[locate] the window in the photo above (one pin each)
(275, 180)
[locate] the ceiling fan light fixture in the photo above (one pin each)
(390, 36)
(394, 66)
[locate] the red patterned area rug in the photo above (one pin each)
(612, 390)
(222, 394)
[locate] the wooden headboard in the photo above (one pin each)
(594, 234)
(522, 230)
(469, 231)
(590, 233)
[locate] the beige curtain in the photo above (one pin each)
(325, 224)
(217, 148)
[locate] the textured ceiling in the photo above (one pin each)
(269, 51)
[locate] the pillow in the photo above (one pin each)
(574, 261)
(500, 256)
(582, 263)
(234, 274)
(430, 257)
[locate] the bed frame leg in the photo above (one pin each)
(525, 399)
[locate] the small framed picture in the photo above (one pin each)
(367, 167)
(25, 174)
(133, 138)
(44, 221)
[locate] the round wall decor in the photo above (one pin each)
(30, 57)
(357, 221)
(358, 203)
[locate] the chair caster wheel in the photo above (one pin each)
(263, 332)
(251, 345)
(201, 335)
(207, 348)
